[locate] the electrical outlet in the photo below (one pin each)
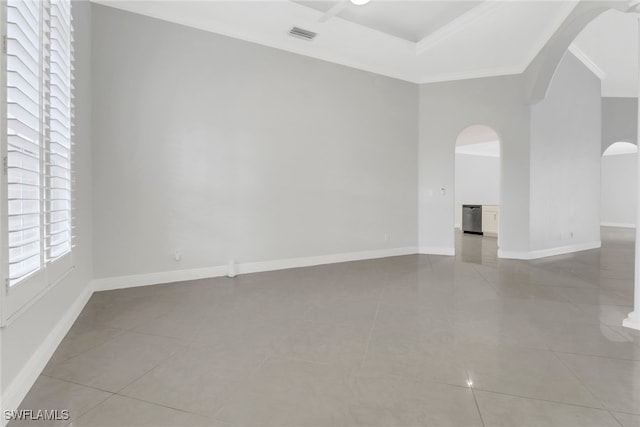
(386, 237)
(177, 255)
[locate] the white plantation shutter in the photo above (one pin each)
(58, 151)
(24, 138)
(38, 65)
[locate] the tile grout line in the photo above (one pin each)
(597, 355)
(382, 293)
(162, 405)
(618, 333)
(626, 413)
(184, 340)
(66, 359)
(475, 399)
(268, 356)
(81, 413)
(616, 419)
(77, 383)
(519, 396)
(580, 380)
(71, 422)
(373, 324)
(170, 356)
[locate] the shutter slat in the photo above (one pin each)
(17, 128)
(22, 18)
(20, 78)
(24, 124)
(16, 48)
(58, 149)
(39, 117)
(17, 96)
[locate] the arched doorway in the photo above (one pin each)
(619, 176)
(477, 194)
(618, 71)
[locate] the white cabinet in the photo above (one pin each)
(490, 219)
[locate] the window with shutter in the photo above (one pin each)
(37, 67)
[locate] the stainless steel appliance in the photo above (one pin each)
(472, 219)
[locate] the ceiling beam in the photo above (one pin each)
(457, 24)
(335, 9)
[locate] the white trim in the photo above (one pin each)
(513, 254)
(15, 314)
(632, 321)
(335, 9)
(543, 253)
(473, 74)
(122, 282)
(456, 25)
(587, 61)
(396, 49)
(22, 383)
(547, 32)
(256, 267)
(158, 278)
(617, 224)
(437, 250)
(274, 40)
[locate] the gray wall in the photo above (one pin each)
(446, 109)
(619, 121)
(565, 159)
(23, 337)
(224, 150)
(619, 190)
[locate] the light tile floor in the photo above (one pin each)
(470, 340)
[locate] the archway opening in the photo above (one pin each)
(618, 72)
(477, 194)
(618, 189)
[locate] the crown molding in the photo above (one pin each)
(475, 74)
(387, 55)
(456, 25)
(587, 61)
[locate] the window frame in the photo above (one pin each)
(16, 299)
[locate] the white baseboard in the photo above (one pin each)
(543, 253)
(22, 383)
(617, 224)
(122, 282)
(437, 250)
(256, 267)
(514, 254)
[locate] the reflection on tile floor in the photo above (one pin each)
(470, 340)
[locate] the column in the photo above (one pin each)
(633, 320)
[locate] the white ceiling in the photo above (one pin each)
(410, 20)
(418, 41)
(484, 149)
(610, 43)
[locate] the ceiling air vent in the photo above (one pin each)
(302, 33)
